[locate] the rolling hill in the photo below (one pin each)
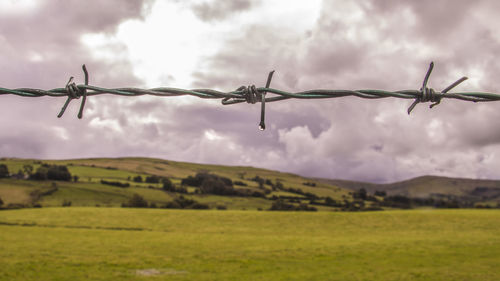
(252, 188)
(474, 190)
(114, 182)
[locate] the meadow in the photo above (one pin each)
(90, 243)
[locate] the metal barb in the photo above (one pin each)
(71, 95)
(424, 91)
(427, 75)
(262, 124)
(454, 84)
(74, 92)
(84, 92)
(443, 92)
(428, 94)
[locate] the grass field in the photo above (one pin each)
(79, 243)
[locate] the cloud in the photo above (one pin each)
(219, 9)
(379, 45)
(42, 47)
(43, 44)
(331, 44)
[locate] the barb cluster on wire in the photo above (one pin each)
(252, 94)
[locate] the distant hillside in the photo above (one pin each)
(158, 183)
(431, 186)
(111, 182)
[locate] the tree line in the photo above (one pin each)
(44, 172)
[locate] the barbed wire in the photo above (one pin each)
(252, 94)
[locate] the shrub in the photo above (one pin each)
(153, 179)
(280, 205)
(259, 180)
(66, 203)
(56, 172)
(168, 185)
(19, 175)
(305, 207)
(36, 194)
(373, 208)
(1, 202)
(191, 181)
(137, 179)
(261, 185)
(52, 172)
(311, 195)
(361, 194)
(217, 186)
(181, 190)
(279, 185)
(482, 206)
(172, 205)
(453, 204)
(397, 201)
(115, 183)
(199, 206)
(137, 201)
(28, 169)
(185, 203)
(211, 184)
(199, 178)
(258, 194)
(16, 206)
(329, 201)
(4, 171)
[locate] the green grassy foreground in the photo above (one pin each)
(151, 244)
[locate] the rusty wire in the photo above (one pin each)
(252, 94)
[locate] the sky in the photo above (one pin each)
(222, 45)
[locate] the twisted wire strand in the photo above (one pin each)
(252, 94)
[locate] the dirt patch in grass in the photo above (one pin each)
(156, 272)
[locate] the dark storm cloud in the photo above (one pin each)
(220, 9)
